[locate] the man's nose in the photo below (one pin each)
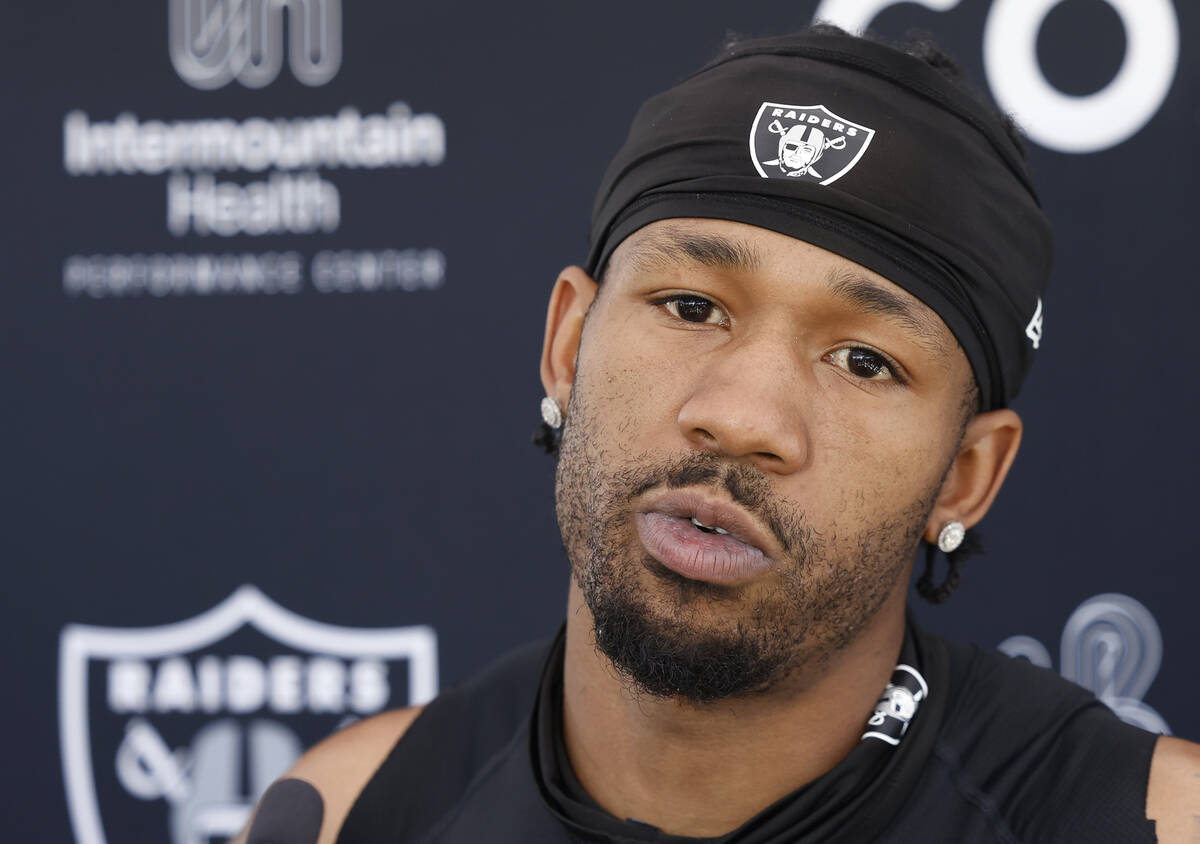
(749, 403)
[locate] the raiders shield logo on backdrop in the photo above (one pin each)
(172, 733)
(805, 142)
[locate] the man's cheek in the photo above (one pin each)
(870, 481)
(883, 445)
(633, 383)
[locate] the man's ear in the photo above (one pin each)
(569, 302)
(988, 449)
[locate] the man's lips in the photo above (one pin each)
(667, 530)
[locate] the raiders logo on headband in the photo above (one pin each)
(805, 142)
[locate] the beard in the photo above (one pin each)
(669, 636)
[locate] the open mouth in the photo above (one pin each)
(699, 551)
(709, 529)
(701, 535)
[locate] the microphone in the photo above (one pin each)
(290, 812)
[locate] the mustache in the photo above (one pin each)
(746, 485)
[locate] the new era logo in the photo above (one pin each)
(1034, 330)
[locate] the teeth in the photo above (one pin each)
(703, 526)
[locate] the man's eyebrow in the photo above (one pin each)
(869, 297)
(669, 248)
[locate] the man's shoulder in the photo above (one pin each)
(1021, 713)
(1043, 752)
(340, 766)
(1173, 801)
(462, 726)
(992, 688)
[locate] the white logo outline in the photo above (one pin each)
(246, 606)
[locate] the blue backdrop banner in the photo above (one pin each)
(276, 276)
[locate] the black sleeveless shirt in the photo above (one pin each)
(999, 751)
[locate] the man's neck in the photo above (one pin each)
(704, 770)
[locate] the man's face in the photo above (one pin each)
(801, 409)
(796, 152)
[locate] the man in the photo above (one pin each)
(783, 370)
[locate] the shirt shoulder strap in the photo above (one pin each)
(457, 736)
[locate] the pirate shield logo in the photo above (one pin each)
(810, 143)
(897, 705)
(172, 733)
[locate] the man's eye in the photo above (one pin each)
(693, 309)
(864, 363)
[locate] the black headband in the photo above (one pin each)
(862, 150)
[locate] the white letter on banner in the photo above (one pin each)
(856, 15)
(1097, 121)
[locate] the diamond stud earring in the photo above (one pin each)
(552, 414)
(951, 536)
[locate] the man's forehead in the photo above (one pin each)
(667, 243)
(739, 247)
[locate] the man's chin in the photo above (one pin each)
(664, 654)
